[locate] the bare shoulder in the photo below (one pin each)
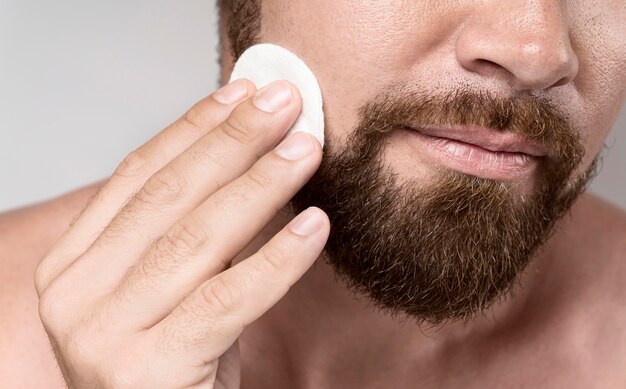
(591, 271)
(594, 247)
(26, 234)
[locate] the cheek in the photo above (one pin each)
(355, 48)
(598, 35)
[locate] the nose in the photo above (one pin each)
(526, 42)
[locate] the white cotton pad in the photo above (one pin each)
(265, 63)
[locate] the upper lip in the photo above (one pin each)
(486, 138)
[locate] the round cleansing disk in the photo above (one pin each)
(265, 63)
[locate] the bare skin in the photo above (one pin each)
(565, 328)
(565, 324)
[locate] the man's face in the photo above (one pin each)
(457, 134)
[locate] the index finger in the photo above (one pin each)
(133, 172)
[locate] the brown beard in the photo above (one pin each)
(450, 250)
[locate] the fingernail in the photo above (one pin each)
(232, 93)
(273, 97)
(297, 146)
(306, 223)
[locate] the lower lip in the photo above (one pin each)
(471, 159)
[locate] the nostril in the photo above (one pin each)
(528, 66)
(486, 63)
(491, 69)
(527, 54)
(562, 81)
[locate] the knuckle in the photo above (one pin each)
(166, 246)
(198, 117)
(213, 158)
(219, 298)
(185, 238)
(165, 187)
(275, 257)
(42, 274)
(259, 179)
(147, 276)
(208, 154)
(236, 128)
(133, 165)
(51, 313)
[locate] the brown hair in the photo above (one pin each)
(243, 18)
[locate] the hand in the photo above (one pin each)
(139, 291)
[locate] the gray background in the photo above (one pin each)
(84, 82)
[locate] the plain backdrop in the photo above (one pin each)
(84, 82)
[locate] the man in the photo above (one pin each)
(459, 251)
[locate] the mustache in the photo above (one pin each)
(448, 247)
(533, 117)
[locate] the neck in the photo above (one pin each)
(319, 322)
